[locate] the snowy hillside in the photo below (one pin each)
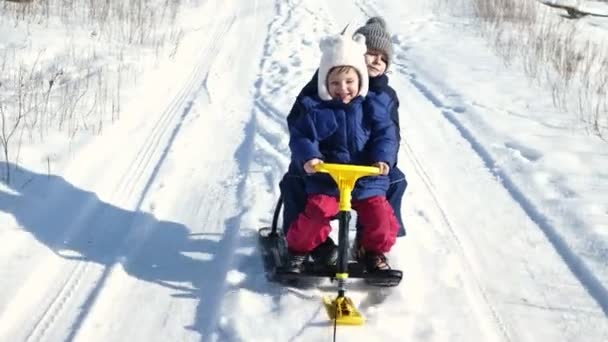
(137, 219)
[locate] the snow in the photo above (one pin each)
(148, 230)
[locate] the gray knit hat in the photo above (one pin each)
(377, 37)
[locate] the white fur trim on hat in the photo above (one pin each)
(342, 50)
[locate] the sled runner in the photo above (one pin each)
(341, 310)
(274, 252)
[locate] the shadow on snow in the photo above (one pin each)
(83, 227)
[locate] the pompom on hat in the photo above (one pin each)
(377, 37)
(342, 50)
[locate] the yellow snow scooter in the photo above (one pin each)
(341, 310)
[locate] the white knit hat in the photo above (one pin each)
(342, 50)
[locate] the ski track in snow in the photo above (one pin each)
(150, 160)
(574, 262)
(81, 281)
(571, 260)
(208, 208)
(487, 314)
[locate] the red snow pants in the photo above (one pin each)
(312, 227)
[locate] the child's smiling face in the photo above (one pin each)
(343, 83)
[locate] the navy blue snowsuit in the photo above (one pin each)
(341, 133)
(293, 187)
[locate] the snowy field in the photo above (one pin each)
(141, 225)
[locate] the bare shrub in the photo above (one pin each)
(135, 22)
(13, 110)
(553, 52)
(78, 89)
(497, 12)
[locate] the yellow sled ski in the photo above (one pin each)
(342, 311)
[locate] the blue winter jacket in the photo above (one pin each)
(385, 96)
(360, 132)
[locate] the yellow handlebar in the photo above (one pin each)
(345, 177)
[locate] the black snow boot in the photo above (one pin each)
(357, 251)
(326, 253)
(295, 262)
(375, 262)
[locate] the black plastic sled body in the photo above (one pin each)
(274, 251)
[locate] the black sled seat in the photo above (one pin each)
(274, 254)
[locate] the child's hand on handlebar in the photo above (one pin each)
(309, 166)
(384, 168)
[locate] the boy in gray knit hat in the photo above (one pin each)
(379, 45)
(378, 57)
